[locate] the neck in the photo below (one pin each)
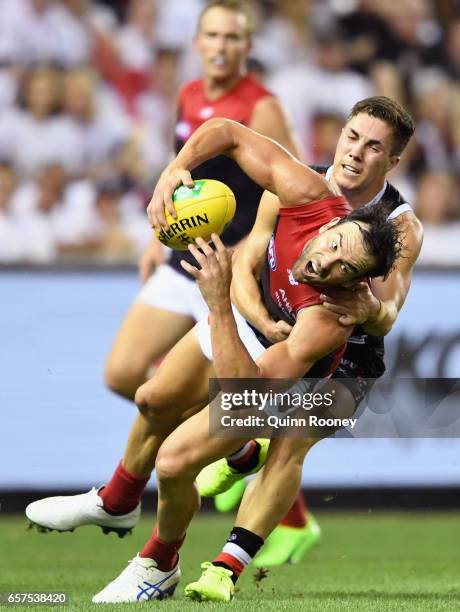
(357, 198)
(214, 88)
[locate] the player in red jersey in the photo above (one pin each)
(326, 250)
(169, 303)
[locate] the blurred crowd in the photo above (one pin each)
(87, 108)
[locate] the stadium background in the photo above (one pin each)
(87, 95)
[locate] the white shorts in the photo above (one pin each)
(170, 290)
(248, 337)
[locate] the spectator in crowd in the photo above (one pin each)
(155, 121)
(12, 243)
(437, 205)
(326, 130)
(121, 235)
(32, 135)
(372, 46)
(42, 32)
(323, 85)
(453, 49)
(38, 207)
(437, 135)
(95, 127)
(283, 35)
(136, 39)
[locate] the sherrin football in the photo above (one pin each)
(202, 210)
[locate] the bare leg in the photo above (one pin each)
(181, 457)
(146, 334)
(273, 491)
(179, 388)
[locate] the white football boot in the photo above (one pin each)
(140, 581)
(65, 513)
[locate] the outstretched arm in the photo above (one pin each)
(262, 159)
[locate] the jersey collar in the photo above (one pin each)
(375, 199)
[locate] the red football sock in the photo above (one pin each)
(297, 515)
(230, 562)
(164, 553)
(123, 492)
(246, 458)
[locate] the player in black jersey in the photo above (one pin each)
(371, 143)
(359, 172)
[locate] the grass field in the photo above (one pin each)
(369, 561)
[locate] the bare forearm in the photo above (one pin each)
(215, 137)
(230, 357)
(246, 296)
(256, 155)
(381, 325)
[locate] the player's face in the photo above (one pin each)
(337, 255)
(222, 43)
(363, 155)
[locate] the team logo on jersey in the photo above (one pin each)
(272, 253)
(207, 112)
(283, 300)
(183, 130)
(291, 277)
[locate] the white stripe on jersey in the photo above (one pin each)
(402, 208)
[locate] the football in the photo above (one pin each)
(206, 208)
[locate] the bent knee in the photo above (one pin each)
(123, 378)
(172, 467)
(151, 401)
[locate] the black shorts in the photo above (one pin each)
(358, 369)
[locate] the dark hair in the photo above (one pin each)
(392, 113)
(234, 6)
(382, 237)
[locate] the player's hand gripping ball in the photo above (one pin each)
(202, 210)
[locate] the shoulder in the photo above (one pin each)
(190, 88)
(267, 109)
(393, 196)
(412, 228)
(255, 87)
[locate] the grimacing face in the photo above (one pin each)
(363, 155)
(336, 256)
(222, 43)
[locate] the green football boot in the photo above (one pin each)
(288, 544)
(219, 476)
(228, 500)
(215, 584)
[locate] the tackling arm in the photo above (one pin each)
(245, 290)
(393, 291)
(377, 309)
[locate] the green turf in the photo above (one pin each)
(371, 561)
